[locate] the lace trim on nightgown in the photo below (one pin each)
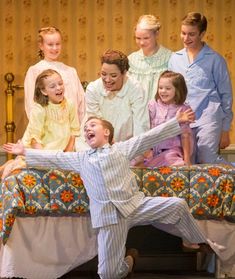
(58, 112)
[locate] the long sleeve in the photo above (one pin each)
(224, 88)
(53, 159)
(29, 86)
(137, 145)
(35, 128)
(152, 113)
(92, 101)
(73, 120)
(139, 111)
(80, 96)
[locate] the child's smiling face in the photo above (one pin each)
(54, 88)
(166, 90)
(146, 40)
(51, 46)
(96, 134)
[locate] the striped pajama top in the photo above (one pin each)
(109, 182)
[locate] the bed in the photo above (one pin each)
(45, 224)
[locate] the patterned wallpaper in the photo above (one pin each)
(91, 26)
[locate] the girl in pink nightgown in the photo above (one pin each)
(170, 97)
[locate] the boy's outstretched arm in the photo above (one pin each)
(14, 148)
(185, 116)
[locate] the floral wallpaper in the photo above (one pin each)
(89, 27)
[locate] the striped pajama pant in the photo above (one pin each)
(168, 214)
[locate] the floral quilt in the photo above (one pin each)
(208, 189)
(34, 192)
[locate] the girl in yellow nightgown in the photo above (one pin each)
(53, 122)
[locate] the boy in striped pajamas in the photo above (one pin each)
(116, 204)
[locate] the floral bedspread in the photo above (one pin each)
(34, 192)
(208, 189)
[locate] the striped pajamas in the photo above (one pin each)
(116, 204)
(168, 214)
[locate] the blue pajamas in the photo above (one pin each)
(209, 95)
(206, 149)
(167, 214)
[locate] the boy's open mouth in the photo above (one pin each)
(90, 135)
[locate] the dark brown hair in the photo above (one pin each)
(39, 97)
(106, 124)
(116, 57)
(179, 84)
(195, 19)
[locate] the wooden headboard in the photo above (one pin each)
(10, 124)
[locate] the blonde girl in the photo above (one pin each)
(50, 46)
(53, 122)
(147, 63)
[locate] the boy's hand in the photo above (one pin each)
(185, 116)
(14, 148)
(224, 139)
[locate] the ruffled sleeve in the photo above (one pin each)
(29, 86)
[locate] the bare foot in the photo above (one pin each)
(190, 247)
